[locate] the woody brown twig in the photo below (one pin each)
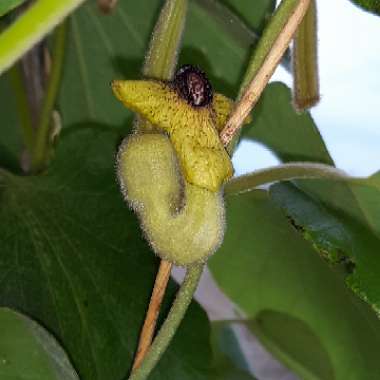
(149, 326)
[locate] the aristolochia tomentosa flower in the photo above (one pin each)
(192, 116)
(172, 175)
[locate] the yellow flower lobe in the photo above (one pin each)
(192, 131)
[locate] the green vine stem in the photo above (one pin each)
(31, 27)
(301, 170)
(161, 59)
(170, 326)
(305, 61)
(41, 146)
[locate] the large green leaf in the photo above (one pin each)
(254, 14)
(294, 137)
(293, 342)
(223, 45)
(72, 257)
(264, 264)
(28, 352)
(78, 263)
(369, 5)
(345, 228)
(291, 136)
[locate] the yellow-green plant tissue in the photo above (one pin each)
(183, 223)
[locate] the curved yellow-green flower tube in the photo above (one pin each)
(173, 176)
(183, 223)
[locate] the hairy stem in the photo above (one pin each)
(162, 56)
(149, 326)
(301, 170)
(279, 35)
(305, 61)
(172, 322)
(40, 150)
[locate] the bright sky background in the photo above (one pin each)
(348, 115)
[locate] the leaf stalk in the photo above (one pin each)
(285, 172)
(41, 143)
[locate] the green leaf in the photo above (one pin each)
(349, 227)
(265, 264)
(368, 5)
(342, 221)
(73, 257)
(274, 120)
(241, 14)
(29, 352)
(293, 342)
(79, 263)
(254, 14)
(7, 5)
(240, 23)
(291, 136)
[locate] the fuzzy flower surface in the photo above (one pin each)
(191, 115)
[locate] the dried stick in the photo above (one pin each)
(258, 83)
(149, 326)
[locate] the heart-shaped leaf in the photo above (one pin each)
(29, 352)
(72, 256)
(342, 221)
(265, 264)
(291, 136)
